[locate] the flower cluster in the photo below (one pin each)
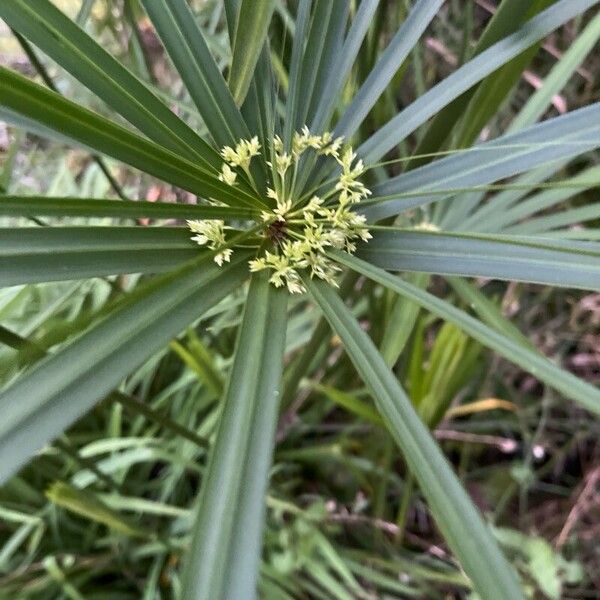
(242, 154)
(212, 235)
(301, 229)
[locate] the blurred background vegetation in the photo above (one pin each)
(344, 520)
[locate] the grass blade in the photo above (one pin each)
(185, 43)
(251, 29)
(457, 518)
(293, 97)
(23, 206)
(508, 17)
(589, 179)
(387, 66)
(558, 76)
(542, 368)
(553, 140)
(541, 225)
(225, 552)
(512, 258)
(487, 310)
(61, 388)
(503, 200)
(405, 122)
(494, 90)
(324, 39)
(39, 254)
(61, 39)
(344, 61)
(33, 107)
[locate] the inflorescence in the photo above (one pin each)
(301, 229)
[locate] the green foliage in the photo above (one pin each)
(179, 457)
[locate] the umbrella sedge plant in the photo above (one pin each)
(301, 193)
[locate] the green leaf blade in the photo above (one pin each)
(508, 17)
(453, 510)
(511, 258)
(60, 38)
(60, 389)
(405, 122)
(553, 140)
(42, 254)
(46, 206)
(558, 76)
(30, 105)
(225, 553)
(185, 43)
(252, 25)
(344, 61)
(543, 369)
(391, 60)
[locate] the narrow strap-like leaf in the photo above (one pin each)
(406, 121)
(543, 369)
(453, 510)
(512, 258)
(34, 107)
(49, 81)
(541, 225)
(60, 389)
(37, 254)
(585, 180)
(45, 206)
(344, 61)
(15, 241)
(251, 29)
(387, 66)
(558, 76)
(572, 233)
(226, 547)
(401, 322)
(185, 43)
(503, 200)
(65, 42)
(258, 109)
(493, 91)
(232, 8)
(295, 89)
(324, 48)
(508, 17)
(556, 139)
(330, 56)
(324, 40)
(487, 310)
